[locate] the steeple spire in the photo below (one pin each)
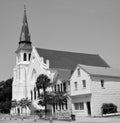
(25, 35)
(24, 43)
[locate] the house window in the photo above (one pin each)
(79, 106)
(102, 83)
(84, 83)
(64, 87)
(25, 57)
(76, 105)
(76, 85)
(78, 71)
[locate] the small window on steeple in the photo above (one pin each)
(25, 57)
(29, 56)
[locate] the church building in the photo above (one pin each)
(87, 79)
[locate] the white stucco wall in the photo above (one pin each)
(78, 79)
(109, 94)
(40, 66)
(78, 99)
(81, 94)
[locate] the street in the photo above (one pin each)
(80, 120)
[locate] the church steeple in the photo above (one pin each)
(24, 43)
(25, 35)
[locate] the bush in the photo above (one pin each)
(108, 108)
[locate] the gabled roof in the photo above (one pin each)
(69, 60)
(62, 74)
(100, 71)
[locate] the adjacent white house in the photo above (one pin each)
(86, 78)
(93, 86)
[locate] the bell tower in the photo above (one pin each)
(23, 54)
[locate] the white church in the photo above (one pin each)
(87, 79)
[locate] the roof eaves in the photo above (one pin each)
(98, 75)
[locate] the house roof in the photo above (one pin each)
(63, 74)
(101, 71)
(69, 60)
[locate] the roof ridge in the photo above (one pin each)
(67, 51)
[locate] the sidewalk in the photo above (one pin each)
(98, 119)
(78, 120)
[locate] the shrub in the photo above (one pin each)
(108, 108)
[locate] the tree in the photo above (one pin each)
(51, 98)
(43, 82)
(14, 103)
(24, 103)
(56, 97)
(5, 95)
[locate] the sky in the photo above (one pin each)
(85, 26)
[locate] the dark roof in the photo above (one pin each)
(63, 74)
(24, 46)
(25, 35)
(69, 60)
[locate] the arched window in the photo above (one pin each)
(34, 93)
(31, 95)
(29, 56)
(25, 57)
(34, 74)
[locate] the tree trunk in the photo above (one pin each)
(38, 93)
(44, 91)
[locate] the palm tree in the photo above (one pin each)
(43, 82)
(24, 103)
(14, 104)
(57, 97)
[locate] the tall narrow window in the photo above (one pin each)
(25, 57)
(78, 71)
(58, 88)
(29, 56)
(31, 95)
(102, 83)
(34, 93)
(55, 88)
(66, 104)
(84, 83)
(76, 85)
(61, 87)
(64, 87)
